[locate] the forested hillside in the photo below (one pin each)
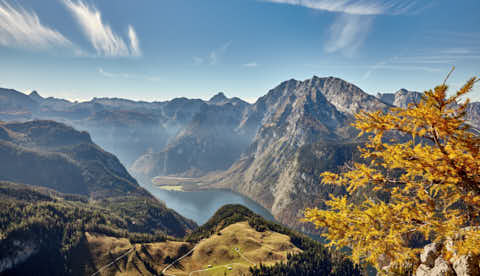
(43, 231)
(55, 186)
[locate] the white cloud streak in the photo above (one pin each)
(354, 19)
(20, 28)
(134, 43)
(355, 7)
(348, 33)
(105, 41)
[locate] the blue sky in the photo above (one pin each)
(158, 50)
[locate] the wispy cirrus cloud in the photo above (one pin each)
(428, 60)
(445, 50)
(389, 65)
(134, 43)
(20, 28)
(355, 7)
(105, 41)
(214, 57)
(354, 20)
(218, 53)
(348, 33)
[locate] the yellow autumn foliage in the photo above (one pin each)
(433, 183)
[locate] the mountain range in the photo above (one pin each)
(271, 151)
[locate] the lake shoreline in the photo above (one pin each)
(201, 204)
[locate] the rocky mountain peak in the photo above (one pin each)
(12, 100)
(345, 96)
(221, 99)
(301, 111)
(218, 98)
(35, 94)
(36, 97)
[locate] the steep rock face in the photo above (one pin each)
(401, 98)
(473, 114)
(346, 97)
(298, 119)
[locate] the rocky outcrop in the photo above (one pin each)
(467, 265)
(430, 253)
(440, 268)
(464, 265)
(433, 263)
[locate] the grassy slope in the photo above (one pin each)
(215, 243)
(218, 250)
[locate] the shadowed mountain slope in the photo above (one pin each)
(51, 154)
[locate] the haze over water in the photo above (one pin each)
(201, 205)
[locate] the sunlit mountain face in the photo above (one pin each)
(132, 132)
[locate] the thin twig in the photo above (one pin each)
(448, 76)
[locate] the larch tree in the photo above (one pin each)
(432, 182)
